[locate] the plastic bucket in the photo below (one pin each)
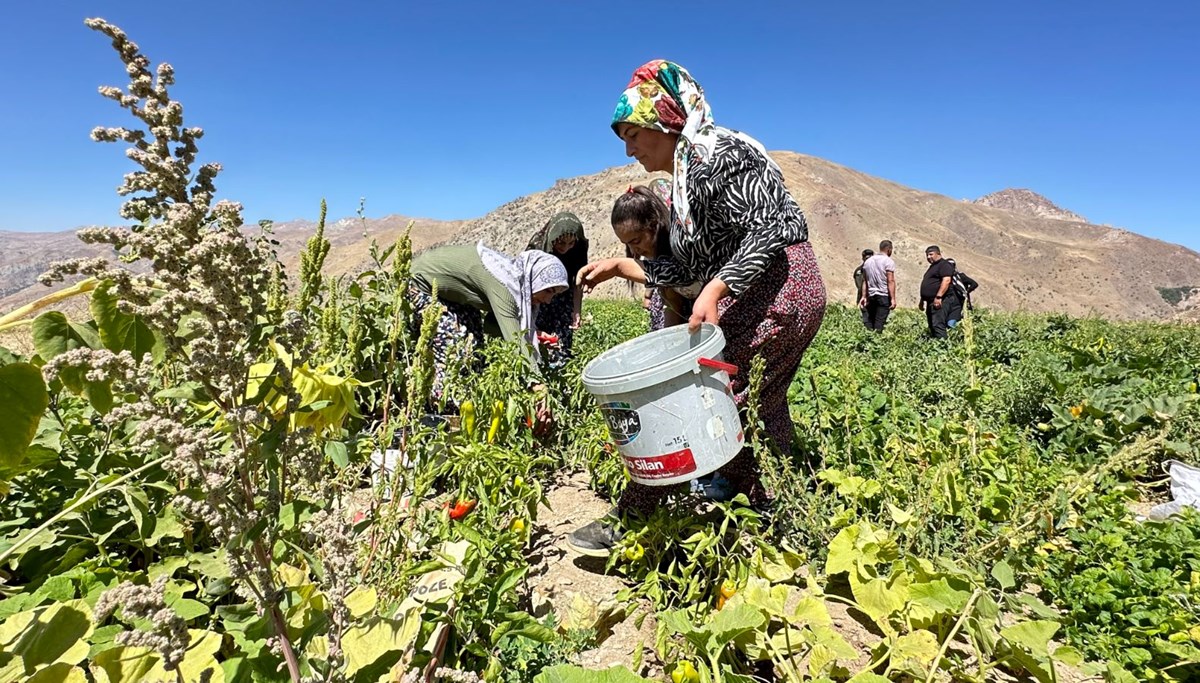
(667, 401)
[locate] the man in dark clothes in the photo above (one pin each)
(938, 299)
(859, 279)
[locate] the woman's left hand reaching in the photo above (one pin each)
(704, 310)
(604, 270)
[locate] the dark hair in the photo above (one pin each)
(886, 244)
(868, 252)
(933, 249)
(642, 208)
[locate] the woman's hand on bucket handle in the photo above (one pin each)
(704, 310)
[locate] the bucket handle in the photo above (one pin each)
(718, 365)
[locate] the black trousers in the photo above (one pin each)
(939, 318)
(879, 306)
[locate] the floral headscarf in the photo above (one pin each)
(663, 96)
(527, 274)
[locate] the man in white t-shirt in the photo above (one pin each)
(878, 295)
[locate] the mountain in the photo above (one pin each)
(1028, 203)
(1022, 258)
(25, 255)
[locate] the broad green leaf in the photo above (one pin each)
(189, 609)
(760, 593)
(128, 664)
(898, 515)
(361, 601)
(54, 334)
(120, 331)
(59, 673)
(1032, 635)
(810, 610)
(868, 677)
(880, 598)
(337, 453)
(731, 621)
(1115, 673)
(139, 509)
(57, 589)
(914, 652)
(843, 552)
(569, 673)
(939, 597)
(829, 648)
(23, 399)
(366, 644)
(1068, 655)
(1002, 572)
(46, 635)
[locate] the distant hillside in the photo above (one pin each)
(1028, 203)
(25, 255)
(1026, 252)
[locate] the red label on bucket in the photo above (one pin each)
(661, 466)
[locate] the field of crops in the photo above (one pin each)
(190, 495)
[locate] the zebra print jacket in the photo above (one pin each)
(743, 215)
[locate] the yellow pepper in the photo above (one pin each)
(685, 672)
(497, 412)
(467, 411)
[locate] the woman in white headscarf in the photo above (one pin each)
(483, 292)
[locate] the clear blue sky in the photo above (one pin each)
(449, 109)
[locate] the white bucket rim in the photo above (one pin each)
(711, 344)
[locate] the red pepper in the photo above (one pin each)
(460, 508)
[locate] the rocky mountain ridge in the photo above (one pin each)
(1022, 259)
(1029, 203)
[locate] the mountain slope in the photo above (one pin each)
(1023, 260)
(1029, 203)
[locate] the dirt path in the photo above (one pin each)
(577, 589)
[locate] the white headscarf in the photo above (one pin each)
(527, 274)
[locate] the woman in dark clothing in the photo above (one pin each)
(736, 230)
(563, 238)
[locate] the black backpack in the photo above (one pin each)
(963, 284)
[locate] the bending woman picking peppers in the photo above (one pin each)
(735, 228)
(483, 291)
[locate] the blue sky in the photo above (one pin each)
(449, 109)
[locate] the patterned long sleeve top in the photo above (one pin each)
(743, 218)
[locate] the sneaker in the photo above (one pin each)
(596, 539)
(713, 487)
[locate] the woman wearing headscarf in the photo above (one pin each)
(734, 228)
(483, 291)
(562, 237)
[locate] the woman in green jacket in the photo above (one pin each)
(483, 292)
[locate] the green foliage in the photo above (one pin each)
(937, 491)
(1173, 295)
(1129, 590)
